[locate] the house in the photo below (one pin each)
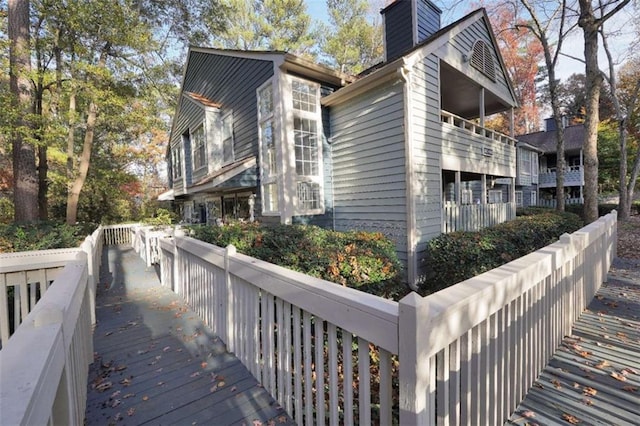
(546, 144)
(400, 149)
(528, 176)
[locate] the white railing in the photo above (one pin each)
(475, 128)
(466, 355)
(118, 234)
(473, 350)
(573, 176)
(309, 342)
(552, 202)
(44, 365)
(145, 242)
(473, 217)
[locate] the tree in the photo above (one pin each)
(591, 25)
(522, 52)
(572, 99)
(551, 48)
(354, 40)
(281, 25)
(25, 179)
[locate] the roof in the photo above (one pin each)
(203, 100)
(546, 140)
(224, 174)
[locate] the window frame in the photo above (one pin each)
(492, 195)
(269, 178)
(314, 115)
(197, 148)
(519, 199)
(176, 162)
(228, 141)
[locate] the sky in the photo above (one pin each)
(455, 9)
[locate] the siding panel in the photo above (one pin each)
(369, 164)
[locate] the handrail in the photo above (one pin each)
(470, 126)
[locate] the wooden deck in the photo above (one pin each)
(157, 363)
(594, 377)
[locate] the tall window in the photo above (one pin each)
(199, 148)
(534, 198)
(176, 162)
(268, 163)
(519, 198)
(307, 144)
(526, 162)
(227, 138)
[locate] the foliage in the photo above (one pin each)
(353, 41)
(362, 260)
(42, 236)
(6, 210)
(160, 218)
(603, 209)
(455, 257)
(609, 155)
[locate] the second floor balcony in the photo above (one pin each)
(573, 176)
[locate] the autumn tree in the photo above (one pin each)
(549, 24)
(591, 21)
(353, 40)
(25, 178)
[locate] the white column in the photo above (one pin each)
(457, 189)
(512, 123)
(482, 106)
(483, 184)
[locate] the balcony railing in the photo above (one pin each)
(573, 176)
(470, 126)
(473, 217)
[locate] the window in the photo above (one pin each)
(482, 59)
(534, 198)
(268, 162)
(534, 167)
(526, 162)
(227, 138)
(176, 162)
(495, 196)
(519, 198)
(307, 145)
(199, 148)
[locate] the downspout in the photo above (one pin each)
(412, 265)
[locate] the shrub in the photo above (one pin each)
(42, 236)
(161, 217)
(451, 258)
(363, 260)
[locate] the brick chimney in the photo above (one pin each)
(407, 23)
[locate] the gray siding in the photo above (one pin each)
(369, 164)
(427, 146)
(231, 82)
(428, 19)
(398, 29)
(191, 116)
(462, 44)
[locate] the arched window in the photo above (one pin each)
(482, 59)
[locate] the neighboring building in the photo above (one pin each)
(400, 149)
(545, 141)
(527, 179)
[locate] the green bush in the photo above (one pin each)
(42, 236)
(161, 217)
(363, 260)
(451, 258)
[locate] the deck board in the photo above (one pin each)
(594, 376)
(155, 362)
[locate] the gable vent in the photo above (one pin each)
(482, 59)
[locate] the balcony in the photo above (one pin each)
(573, 176)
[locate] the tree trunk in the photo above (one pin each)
(85, 159)
(43, 183)
(593, 83)
(557, 118)
(25, 177)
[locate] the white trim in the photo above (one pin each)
(284, 120)
(410, 192)
(222, 140)
(205, 156)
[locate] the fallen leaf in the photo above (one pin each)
(556, 384)
(282, 419)
(630, 388)
(115, 403)
(213, 388)
(233, 389)
(629, 370)
(220, 384)
(584, 354)
(126, 381)
(115, 394)
(257, 423)
(121, 367)
(589, 391)
(108, 333)
(129, 395)
(145, 398)
(166, 348)
(271, 423)
(526, 413)
(571, 419)
(538, 385)
(117, 417)
(204, 364)
(587, 401)
(131, 411)
(104, 386)
(160, 383)
(602, 364)
(618, 376)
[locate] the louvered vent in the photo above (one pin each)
(482, 59)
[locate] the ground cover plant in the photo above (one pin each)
(455, 257)
(363, 260)
(42, 236)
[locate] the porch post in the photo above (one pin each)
(512, 123)
(457, 189)
(483, 184)
(482, 107)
